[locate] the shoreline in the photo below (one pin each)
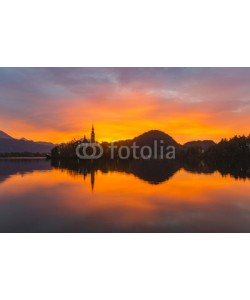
(16, 158)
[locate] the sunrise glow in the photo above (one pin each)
(58, 105)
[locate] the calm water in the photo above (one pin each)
(44, 196)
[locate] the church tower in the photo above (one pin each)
(93, 135)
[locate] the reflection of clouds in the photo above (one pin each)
(57, 201)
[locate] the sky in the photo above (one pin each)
(60, 104)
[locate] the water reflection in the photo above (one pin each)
(9, 167)
(60, 196)
(151, 171)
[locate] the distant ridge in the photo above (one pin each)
(4, 135)
(10, 145)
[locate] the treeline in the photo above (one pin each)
(233, 150)
(66, 150)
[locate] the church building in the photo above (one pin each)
(92, 138)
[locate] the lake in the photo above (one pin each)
(38, 195)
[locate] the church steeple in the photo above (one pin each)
(93, 135)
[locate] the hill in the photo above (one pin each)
(11, 145)
(155, 140)
(148, 138)
(4, 135)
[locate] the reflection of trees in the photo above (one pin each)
(151, 171)
(239, 170)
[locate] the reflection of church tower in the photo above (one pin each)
(85, 173)
(92, 173)
(93, 135)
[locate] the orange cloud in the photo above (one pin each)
(190, 104)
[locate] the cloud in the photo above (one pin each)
(62, 102)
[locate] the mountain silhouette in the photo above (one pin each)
(4, 135)
(9, 144)
(148, 138)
